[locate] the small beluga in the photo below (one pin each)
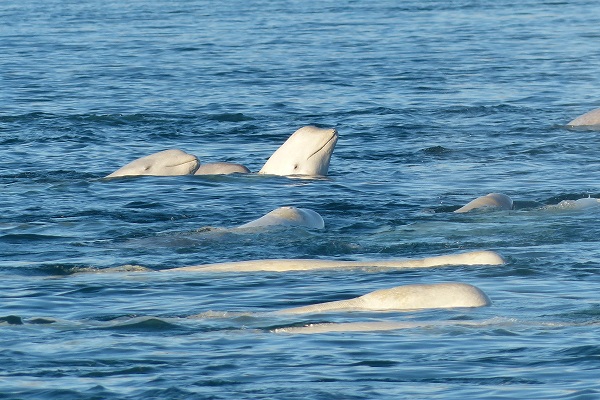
(163, 163)
(591, 118)
(287, 217)
(491, 201)
(306, 152)
(279, 218)
(579, 204)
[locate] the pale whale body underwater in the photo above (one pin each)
(579, 204)
(500, 201)
(483, 257)
(307, 152)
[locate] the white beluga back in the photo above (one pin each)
(489, 201)
(591, 118)
(483, 257)
(164, 163)
(288, 216)
(306, 152)
(409, 297)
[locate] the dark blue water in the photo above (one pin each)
(436, 103)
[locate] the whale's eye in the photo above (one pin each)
(295, 167)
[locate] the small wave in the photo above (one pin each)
(62, 270)
(219, 315)
(141, 370)
(143, 205)
(26, 117)
(186, 49)
(590, 315)
(54, 177)
(18, 320)
(11, 320)
(41, 321)
(27, 238)
(333, 327)
(230, 117)
(141, 324)
(590, 353)
(115, 119)
(437, 151)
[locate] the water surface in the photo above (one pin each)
(436, 103)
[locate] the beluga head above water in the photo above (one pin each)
(306, 152)
(164, 163)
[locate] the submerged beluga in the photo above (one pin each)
(482, 257)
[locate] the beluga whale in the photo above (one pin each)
(591, 118)
(279, 218)
(403, 298)
(483, 257)
(579, 204)
(287, 216)
(164, 163)
(489, 201)
(472, 258)
(306, 152)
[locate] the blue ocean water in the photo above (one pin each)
(436, 103)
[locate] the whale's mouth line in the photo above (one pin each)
(324, 145)
(182, 163)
